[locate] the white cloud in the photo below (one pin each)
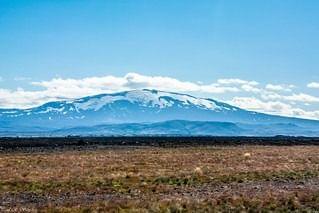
(58, 88)
(279, 88)
(134, 80)
(301, 97)
(266, 95)
(250, 88)
(237, 81)
(252, 103)
(314, 85)
(131, 81)
(23, 99)
(273, 107)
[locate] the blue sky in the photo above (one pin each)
(270, 42)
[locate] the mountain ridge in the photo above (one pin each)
(141, 107)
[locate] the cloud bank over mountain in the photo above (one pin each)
(279, 99)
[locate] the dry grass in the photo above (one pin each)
(157, 179)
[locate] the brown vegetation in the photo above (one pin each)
(241, 178)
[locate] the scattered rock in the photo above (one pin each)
(198, 171)
(247, 155)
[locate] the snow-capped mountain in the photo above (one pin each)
(137, 106)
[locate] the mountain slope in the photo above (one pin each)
(191, 128)
(169, 128)
(141, 106)
(176, 127)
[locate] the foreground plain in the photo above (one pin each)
(158, 179)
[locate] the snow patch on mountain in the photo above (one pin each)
(51, 109)
(95, 103)
(145, 98)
